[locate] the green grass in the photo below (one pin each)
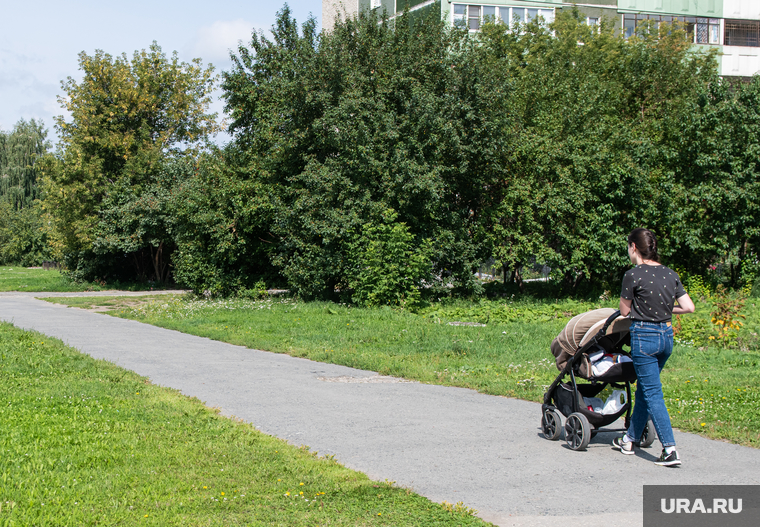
(710, 391)
(84, 442)
(41, 281)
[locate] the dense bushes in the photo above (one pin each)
(339, 128)
(22, 238)
(387, 267)
(522, 144)
(222, 227)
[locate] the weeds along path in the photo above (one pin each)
(445, 443)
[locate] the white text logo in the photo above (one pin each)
(680, 505)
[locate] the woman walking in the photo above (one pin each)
(648, 296)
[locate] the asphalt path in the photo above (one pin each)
(445, 443)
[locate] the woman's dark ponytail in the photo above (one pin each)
(646, 243)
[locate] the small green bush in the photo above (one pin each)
(754, 291)
(389, 266)
(696, 287)
(23, 241)
(257, 292)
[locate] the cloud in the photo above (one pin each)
(29, 85)
(26, 83)
(10, 56)
(213, 43)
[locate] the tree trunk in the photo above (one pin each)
(138, 269)
(518, 278)
(157, 261)
(742, 254)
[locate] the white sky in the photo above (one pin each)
(40, 41)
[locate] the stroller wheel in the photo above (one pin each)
(649, 435)
(577, 431)
(551, 425)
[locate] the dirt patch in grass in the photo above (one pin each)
(118, 305)
(105, 304)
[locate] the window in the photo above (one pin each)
(742, 33)
(376, 3)
(708, 30)
(629, 25)
(460, 15)
(592, 21)
(473, 17)
(700, 30)
(518, 15)
(714, 31)
(504, 15)
(689, 24)
(521, 15)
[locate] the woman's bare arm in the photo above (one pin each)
(685, 305)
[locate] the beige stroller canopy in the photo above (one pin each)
(580, 330)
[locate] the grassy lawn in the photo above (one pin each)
(39, 280)
(87, 443)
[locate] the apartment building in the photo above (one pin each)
(733, 26)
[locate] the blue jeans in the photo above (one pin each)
(651, 346)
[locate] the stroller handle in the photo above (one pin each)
(602, 332)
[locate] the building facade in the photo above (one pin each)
(732, 26)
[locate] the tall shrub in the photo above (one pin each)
(388, 267)
(339, 127)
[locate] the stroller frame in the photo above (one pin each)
(565, 398)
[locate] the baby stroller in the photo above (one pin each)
(588, 334)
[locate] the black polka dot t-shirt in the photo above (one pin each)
(653, 290)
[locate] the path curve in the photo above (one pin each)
(445, 443)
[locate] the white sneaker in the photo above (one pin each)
(626, 447)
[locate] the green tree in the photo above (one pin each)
(23, 240)
(716, 210)
(340, 127)
(596, 119)
(138, 223)
(128, 117)
(20, 150)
